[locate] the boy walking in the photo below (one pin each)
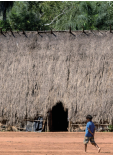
(90, 131)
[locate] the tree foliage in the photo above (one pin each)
(21, 17)
(5, 6)
(59, 15)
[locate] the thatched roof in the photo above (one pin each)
(39, 70)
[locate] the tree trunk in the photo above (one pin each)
(4, 15)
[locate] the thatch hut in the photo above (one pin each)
(66, 74)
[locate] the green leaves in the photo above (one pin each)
(59, 15)
(23, 18)
(4, 24)
(111, 128)
(5, 6)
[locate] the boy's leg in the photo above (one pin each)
(86, 140)
(93, 143)
(96, 146)
(85, 147)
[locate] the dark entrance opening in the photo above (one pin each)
(59, 118)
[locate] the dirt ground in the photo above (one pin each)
(52, 143)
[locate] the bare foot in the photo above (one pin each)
(99, 150)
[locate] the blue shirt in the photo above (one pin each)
(91, 126)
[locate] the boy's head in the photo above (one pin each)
(89, 118)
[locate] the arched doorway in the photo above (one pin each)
(59, 118)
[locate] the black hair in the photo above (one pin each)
(89, 117)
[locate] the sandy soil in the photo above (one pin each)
(24, 143)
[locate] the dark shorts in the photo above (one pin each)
(87, 139)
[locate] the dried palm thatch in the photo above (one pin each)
(39, 70)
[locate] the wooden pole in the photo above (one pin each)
(70, 29)
(23, 31)
(11, 115)
(110, 29)
(43, 125)
(43, 28)
(51, 31)
(26, 116)
(37, 30)
(47, 124)
(11, 31)
(1, 30)
(83, 29)
(69, 126)
(32, 126)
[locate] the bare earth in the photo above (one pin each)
(24, 143)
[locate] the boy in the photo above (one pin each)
(90, 131)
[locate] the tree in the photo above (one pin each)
(88, 14)
(58, 15)
(105, 15)
(25, 16)
(4, 6)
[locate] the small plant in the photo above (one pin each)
(4, 25)
(104, 131)
(110, 128)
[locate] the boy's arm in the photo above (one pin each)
(91, 132)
